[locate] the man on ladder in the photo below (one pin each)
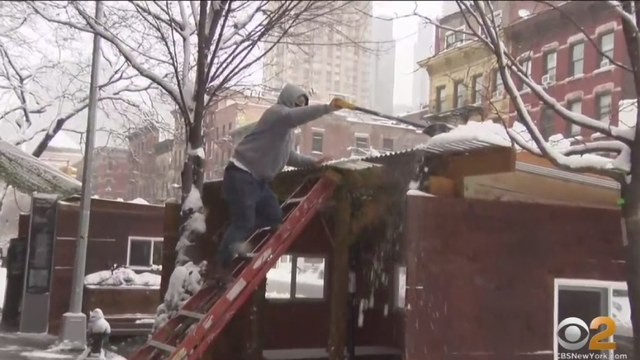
(257, 159)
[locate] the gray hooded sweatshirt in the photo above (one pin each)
(268, 147)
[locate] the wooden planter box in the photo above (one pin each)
(130, 310)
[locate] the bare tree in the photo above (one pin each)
(612, 152)
(44, 80)
(198, 52)
(195, 52)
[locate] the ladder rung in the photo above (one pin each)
(191, 314)
(162, 346)
(294, 200)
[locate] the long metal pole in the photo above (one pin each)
(75, 322)
(85, 202)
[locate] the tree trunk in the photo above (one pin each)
(631, 241)
(631, 191)
(340, 277)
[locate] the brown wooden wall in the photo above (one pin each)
(111, 224)
(301, 324)
(480, 274)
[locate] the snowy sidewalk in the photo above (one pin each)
(14, 346)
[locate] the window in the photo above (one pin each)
(454, 38)
(307, 282)
(144, 252)
(477, 89)
(587, 300)
(497, 86)
(576, 64)
(497, 17)
(440, 99)
(603, 107)
(606, 46)
(526, 65)
(317, 141)
(400, 288)
(549, 74)
(547, 126)
(387, 144)
(362, 141)
(576, 107)
(461, 94)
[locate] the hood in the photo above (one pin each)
(96, 315)
(289, 94)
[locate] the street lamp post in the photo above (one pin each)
(74, 322)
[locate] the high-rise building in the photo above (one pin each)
(333, 60)
(449, 7)
(383, 64)
(422, 49)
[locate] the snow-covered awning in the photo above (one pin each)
(470, 136)
(30, 174)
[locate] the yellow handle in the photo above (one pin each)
(342, 103)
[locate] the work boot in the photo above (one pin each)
(242, 250)
(218, 274)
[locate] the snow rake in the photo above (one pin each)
(427, 129)
(189, 334)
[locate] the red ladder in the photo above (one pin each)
(188, 334)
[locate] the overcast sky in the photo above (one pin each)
(405, 33)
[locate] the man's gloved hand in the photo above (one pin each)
(338, 104)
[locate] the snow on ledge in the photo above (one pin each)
(139, 201)
(419, 193)
(486, 132)
(122, 277)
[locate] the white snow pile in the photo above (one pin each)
(122, 277)
(58, 354)
(194, 226)
(414, 192)
(139, 201)
(29, 174)
(198, 152)
(486, 132)
(184, 282)
(491, 133)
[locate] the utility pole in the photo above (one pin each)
(74, 322)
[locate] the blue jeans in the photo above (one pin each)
(252, 205)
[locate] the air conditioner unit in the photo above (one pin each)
(548, 79)
(498, 94)
(604, 63)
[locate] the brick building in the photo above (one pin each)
(142, 157)
(111, 172)
(340, 135)
(164, 170)
(223, 117)
(343, 135)
(562, 59)
(464, 82)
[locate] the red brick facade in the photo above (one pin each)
(552, 32)
(111, 173)
(142, 157)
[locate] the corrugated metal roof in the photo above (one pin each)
(453, 147)
(29, 174)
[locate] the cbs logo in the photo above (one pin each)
(573, 334)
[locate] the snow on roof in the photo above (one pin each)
(122, 277)
(63, 141)
(139, 201)
(29, 174)
(486, 132)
